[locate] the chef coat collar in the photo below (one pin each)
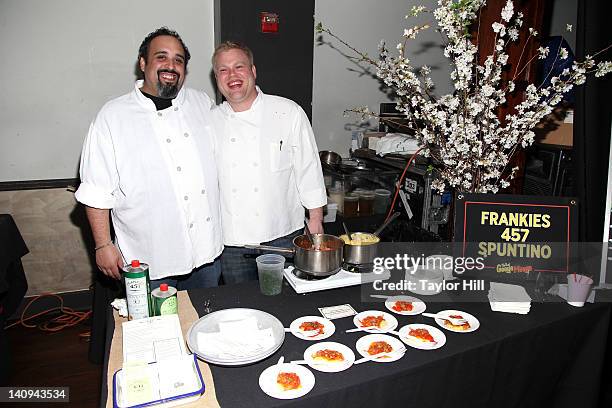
(226, 108)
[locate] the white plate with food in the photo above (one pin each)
(286, 381)
(372, 344)
(471, 323)
(312, 328)
(375, 321)
(405, 305)
(329, 357)
(422, 336)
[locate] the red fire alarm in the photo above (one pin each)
(269, 22)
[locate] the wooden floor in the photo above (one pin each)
(58, 359)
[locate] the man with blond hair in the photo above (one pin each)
(268, 164)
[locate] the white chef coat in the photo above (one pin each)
(269, 169)
(156, 171)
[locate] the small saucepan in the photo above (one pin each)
(362, 247)
(322, 257)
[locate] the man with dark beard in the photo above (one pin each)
(148, 160)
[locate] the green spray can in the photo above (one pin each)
(137, 290)
(164, 300)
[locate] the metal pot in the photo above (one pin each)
(364, 253)
(309, 259)
(330, 159)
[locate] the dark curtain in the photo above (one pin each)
(592, 129)
(592, 120)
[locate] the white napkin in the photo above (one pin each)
(504, 297)
(236, 339)
(121, 306)
(396, 143)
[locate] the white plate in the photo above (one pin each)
(474, 323)
(363, 344)
(212, 322)
(328, 329)
(329, 367)
(418, 306)
(267, 381)
(390, 322)
(437, 334)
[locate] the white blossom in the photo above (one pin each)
(468, 144)
(603, 68)
(507, 11)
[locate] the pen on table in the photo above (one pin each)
(280, 145)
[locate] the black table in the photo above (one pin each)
(551, 357)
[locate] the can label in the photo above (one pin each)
(164, 302)
(137, 291)
(165, 306)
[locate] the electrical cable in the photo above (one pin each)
(399, 183)
(67, 318)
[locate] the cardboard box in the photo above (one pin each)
(371, 138)
(556, 128)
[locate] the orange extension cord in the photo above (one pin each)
(67, 318)
(399, 183)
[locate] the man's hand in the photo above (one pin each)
(109, 261)
(315, 220)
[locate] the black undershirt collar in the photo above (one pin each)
(160, 103)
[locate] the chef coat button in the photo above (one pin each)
(255, 164)
(178, 168)
(186, 134)
(233, 139)
(232, 116)
(160, 114)
(257, 214)
(255, 189)
(207, 219)
(175, 108)
(168, 140)
(186, 198)
(203, 191)
(234, 190)
(191, 225)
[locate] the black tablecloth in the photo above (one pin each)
(550, 357)
(13, 283)
(12, 248)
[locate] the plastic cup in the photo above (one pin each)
(381, 201)
(350, 205)
(578, 289)
(336, 195)
(270, 270)
(441, 263)
(366, 202)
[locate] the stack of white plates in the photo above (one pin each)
(233, 337)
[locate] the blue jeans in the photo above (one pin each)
(206, 276)
(236, 268)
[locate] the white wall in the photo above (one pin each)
(363, 23)
(62, 59)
